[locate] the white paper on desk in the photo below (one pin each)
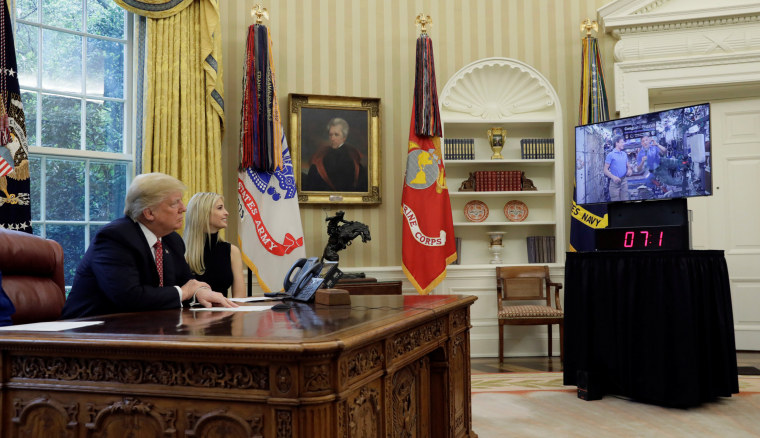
(252, 299)
(231, 309)
(52, 326)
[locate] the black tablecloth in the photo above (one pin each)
(654, 326)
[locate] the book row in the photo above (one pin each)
(459, 148)
(540, 249)
(458, 241)
(498, 180)
(533, 148)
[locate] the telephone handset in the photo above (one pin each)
(303, 279)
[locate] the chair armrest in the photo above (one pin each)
(499, 286)
(557, 288)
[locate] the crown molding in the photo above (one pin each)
(690, 43)
(636, 16)
(687, 62)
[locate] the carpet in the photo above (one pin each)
(538, 405)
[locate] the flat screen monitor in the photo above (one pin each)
(659, 155)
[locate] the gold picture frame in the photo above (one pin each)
(315, 130)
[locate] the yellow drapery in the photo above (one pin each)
(184, 106)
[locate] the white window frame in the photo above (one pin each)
(81, 154)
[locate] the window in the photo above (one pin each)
(73, 66)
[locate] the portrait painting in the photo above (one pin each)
(334, 141)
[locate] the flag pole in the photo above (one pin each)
(270, 233)
(260, 13)
(423, 20)
(427, 237)
(591, 109)
(588, 25)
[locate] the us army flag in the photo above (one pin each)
(270, 233)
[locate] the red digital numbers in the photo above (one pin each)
(629, 240)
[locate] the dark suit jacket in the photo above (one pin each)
(118, 273)
(337, 170)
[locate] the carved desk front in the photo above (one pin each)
(387, 366)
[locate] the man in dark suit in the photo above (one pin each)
(120, 270)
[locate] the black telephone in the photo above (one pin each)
(299, 282)
(305, 277)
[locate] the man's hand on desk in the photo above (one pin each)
(201, 292)
(207, 298)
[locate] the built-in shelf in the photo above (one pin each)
(504, 93)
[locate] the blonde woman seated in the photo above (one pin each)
(211, 259)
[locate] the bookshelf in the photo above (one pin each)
(504, 93)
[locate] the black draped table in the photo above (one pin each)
(654, 326)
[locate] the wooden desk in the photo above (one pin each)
(370, 287)
(388, 366)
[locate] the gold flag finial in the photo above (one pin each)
(260, 13)
(587, 25)
(423, 20)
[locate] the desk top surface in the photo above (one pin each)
(303, 326)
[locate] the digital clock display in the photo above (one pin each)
(662, 238)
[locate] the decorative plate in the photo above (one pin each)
(515, 211)
(476, 211)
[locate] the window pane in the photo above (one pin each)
(71, 238)
(61, 122)
(34, 188)
(105, 126)
(61, 61)
(108, 187)
(29, 100)
(65, 190)
(27, 38)
(105, 19)
(66, 14)
(105, 68)
(27, 10)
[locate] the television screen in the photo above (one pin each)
(660, 155)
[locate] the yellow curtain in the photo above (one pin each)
(184, 95)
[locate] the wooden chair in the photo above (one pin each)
(528, 283)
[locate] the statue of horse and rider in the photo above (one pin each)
(341, 233)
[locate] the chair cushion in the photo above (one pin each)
(529, 311)
(32, 276)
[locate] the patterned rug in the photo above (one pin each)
(538, 405)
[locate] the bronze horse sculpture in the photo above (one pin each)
(341, 233)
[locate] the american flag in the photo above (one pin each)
(5, 167)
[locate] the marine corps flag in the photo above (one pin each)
(270, 234)
(428, 243)
(15, 209)
(593, 108)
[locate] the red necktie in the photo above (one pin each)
(160, 261)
